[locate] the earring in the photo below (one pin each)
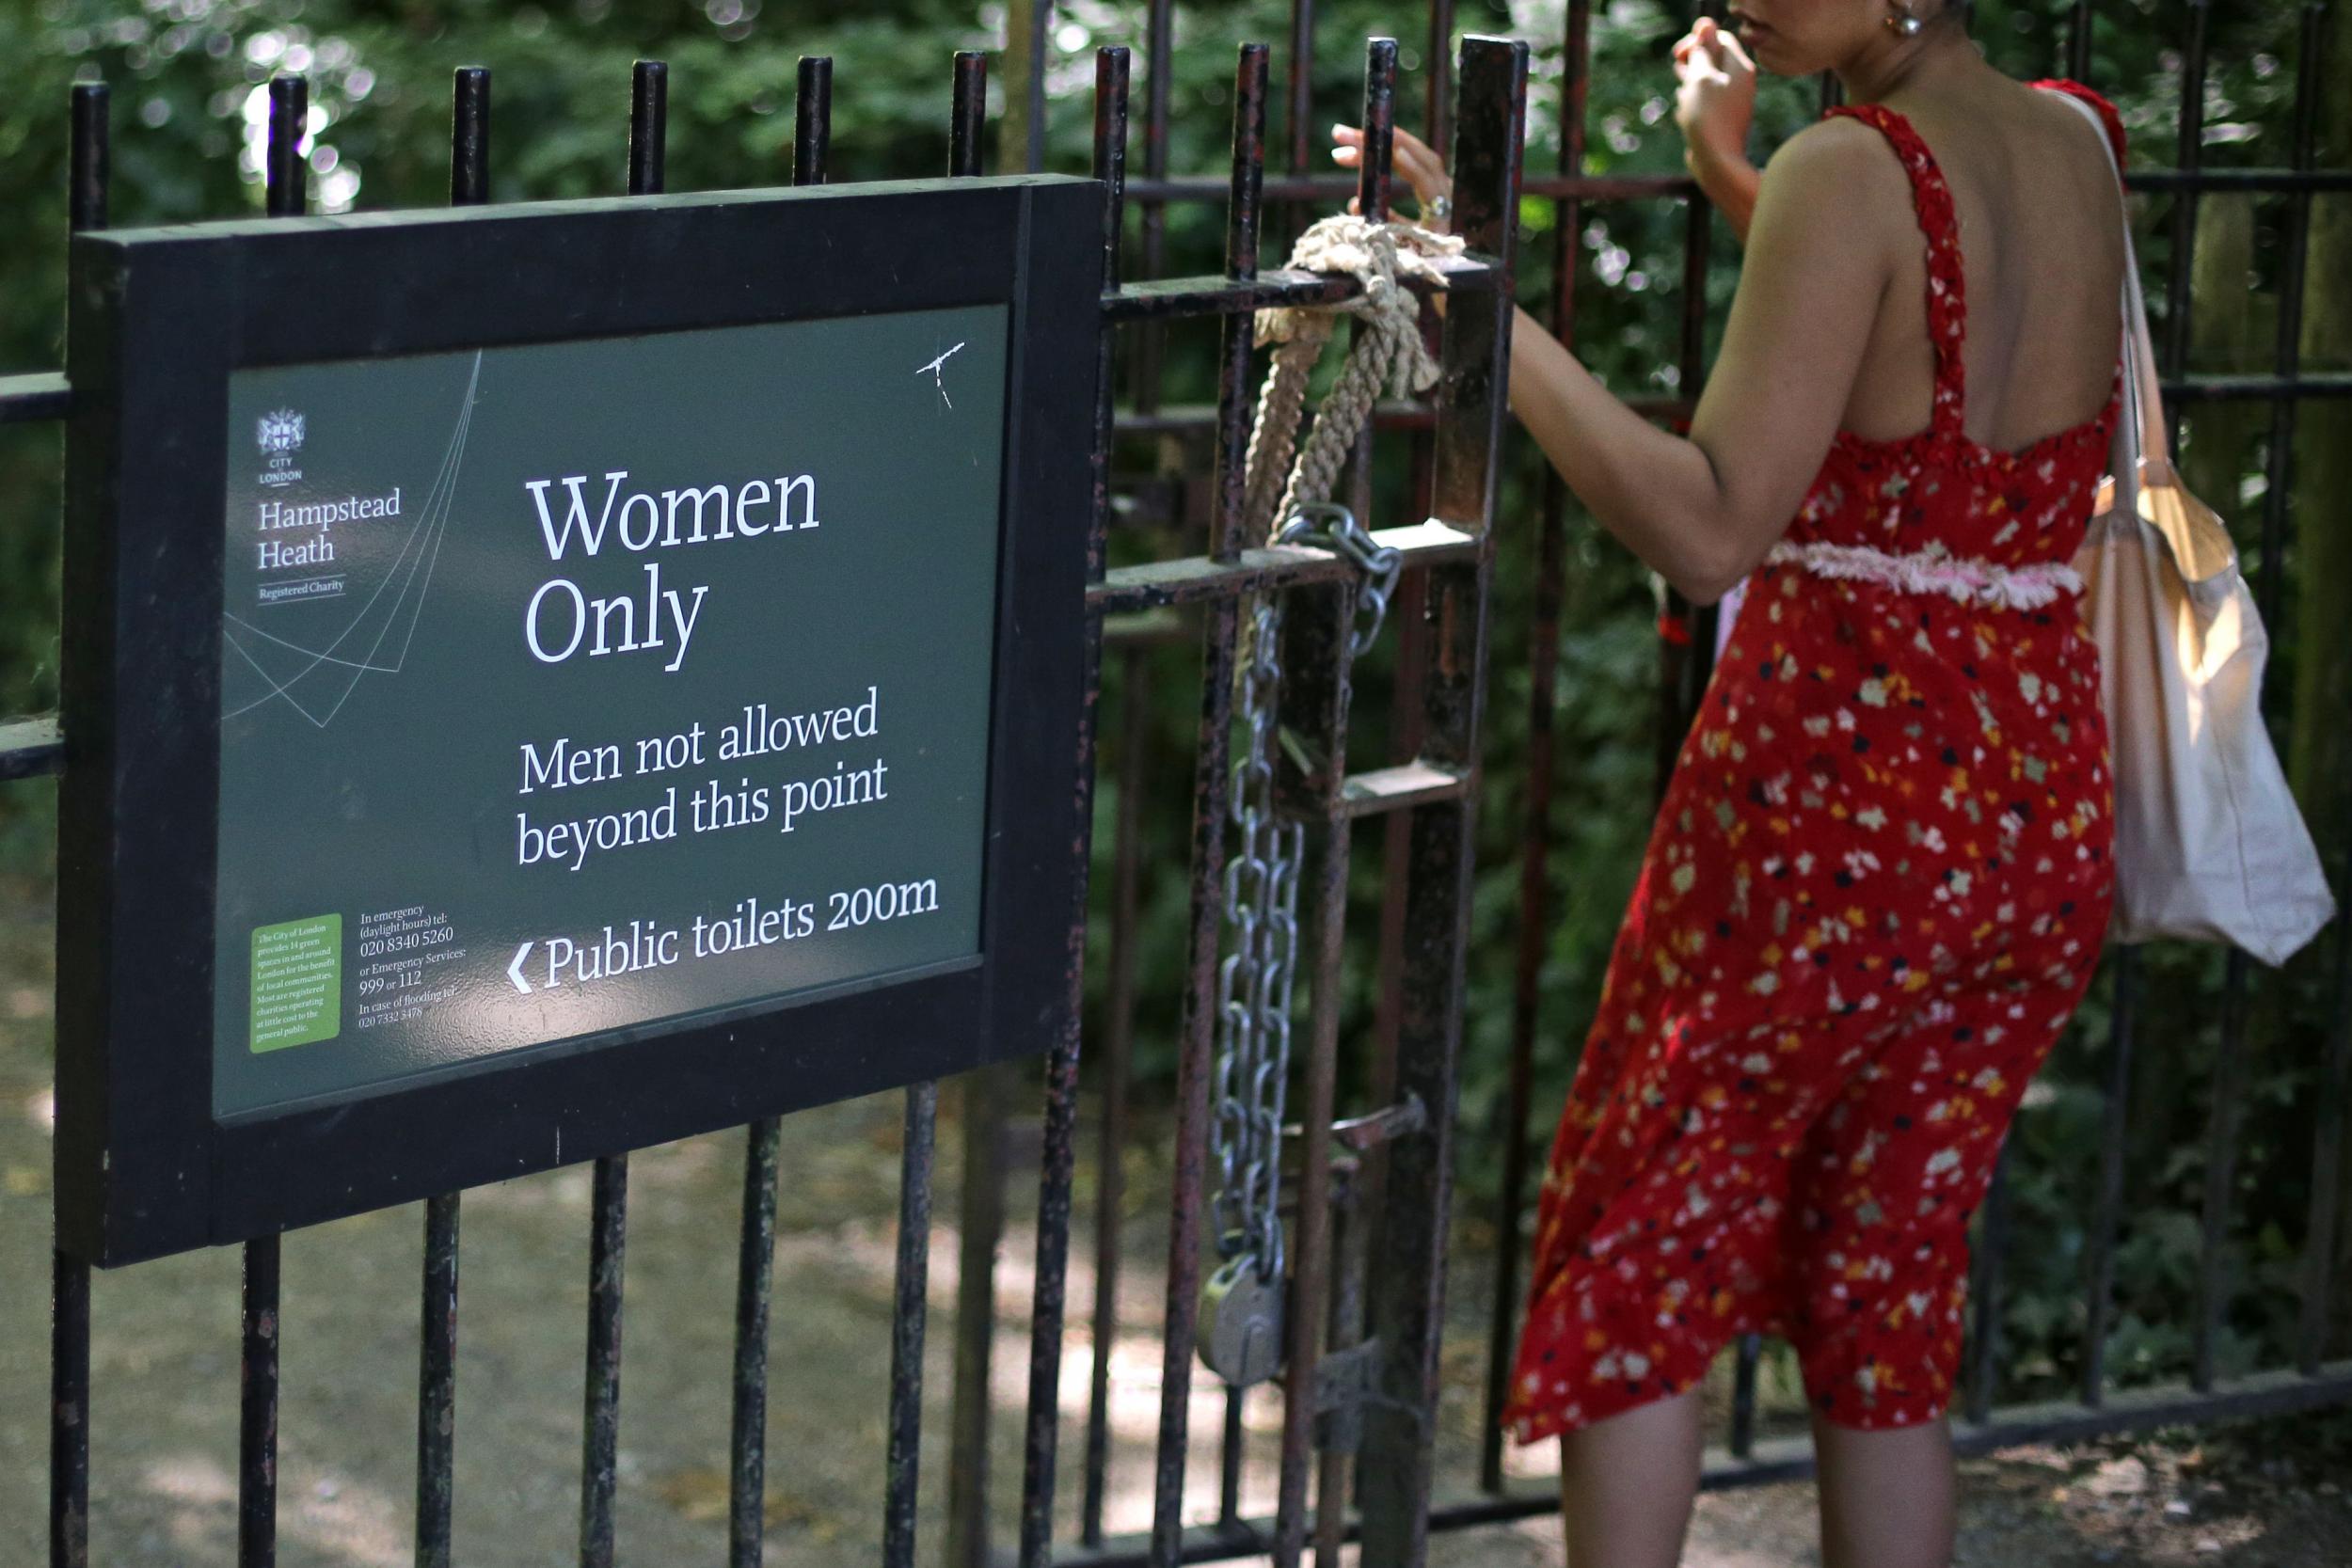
(1902, 20)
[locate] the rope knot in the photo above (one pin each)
(1388, 352)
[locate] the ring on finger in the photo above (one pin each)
(1437, 208)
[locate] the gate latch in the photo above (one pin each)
(1344, 1383)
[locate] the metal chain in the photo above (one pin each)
(1254, 983)
(1261, 968)
(1284, 487)
(1335, 528)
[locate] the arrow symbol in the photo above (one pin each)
(514, 970)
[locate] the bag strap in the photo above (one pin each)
(2141, 432)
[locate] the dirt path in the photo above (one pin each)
(2149, 1507)
(164, 1335)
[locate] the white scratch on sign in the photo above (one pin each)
(938, 379)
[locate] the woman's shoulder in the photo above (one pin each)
(1854, 161)
(1844, 179)
(2108, 115)
(1842, 146)
(1838, 173)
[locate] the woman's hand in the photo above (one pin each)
(1412, 160)
(1714, 105)
(1715, 95)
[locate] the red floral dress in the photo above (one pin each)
(1873, 895)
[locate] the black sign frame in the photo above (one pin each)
(158, 320)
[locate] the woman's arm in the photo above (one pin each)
(1730, 184)
(1703, 511)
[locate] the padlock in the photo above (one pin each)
(1239, 1331)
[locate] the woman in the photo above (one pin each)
(1877, 885)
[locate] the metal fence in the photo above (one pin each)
(1370, 1228)
(1449, 558)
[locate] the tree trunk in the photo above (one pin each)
(2228, 334)
(1021, 134)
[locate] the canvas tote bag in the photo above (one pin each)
(2208, 843)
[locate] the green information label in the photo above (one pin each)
(297, 982)
(571, 689)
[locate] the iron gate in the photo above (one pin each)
(1392, 1367)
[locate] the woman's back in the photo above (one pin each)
(2041, 241)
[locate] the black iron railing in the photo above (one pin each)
(1447, 556)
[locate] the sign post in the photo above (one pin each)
(569, 684)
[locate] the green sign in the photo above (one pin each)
(571, 689)
(297, 984)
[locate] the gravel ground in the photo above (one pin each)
(163, 1416)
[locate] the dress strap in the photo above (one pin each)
(1947, 299)
(2109, 116)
